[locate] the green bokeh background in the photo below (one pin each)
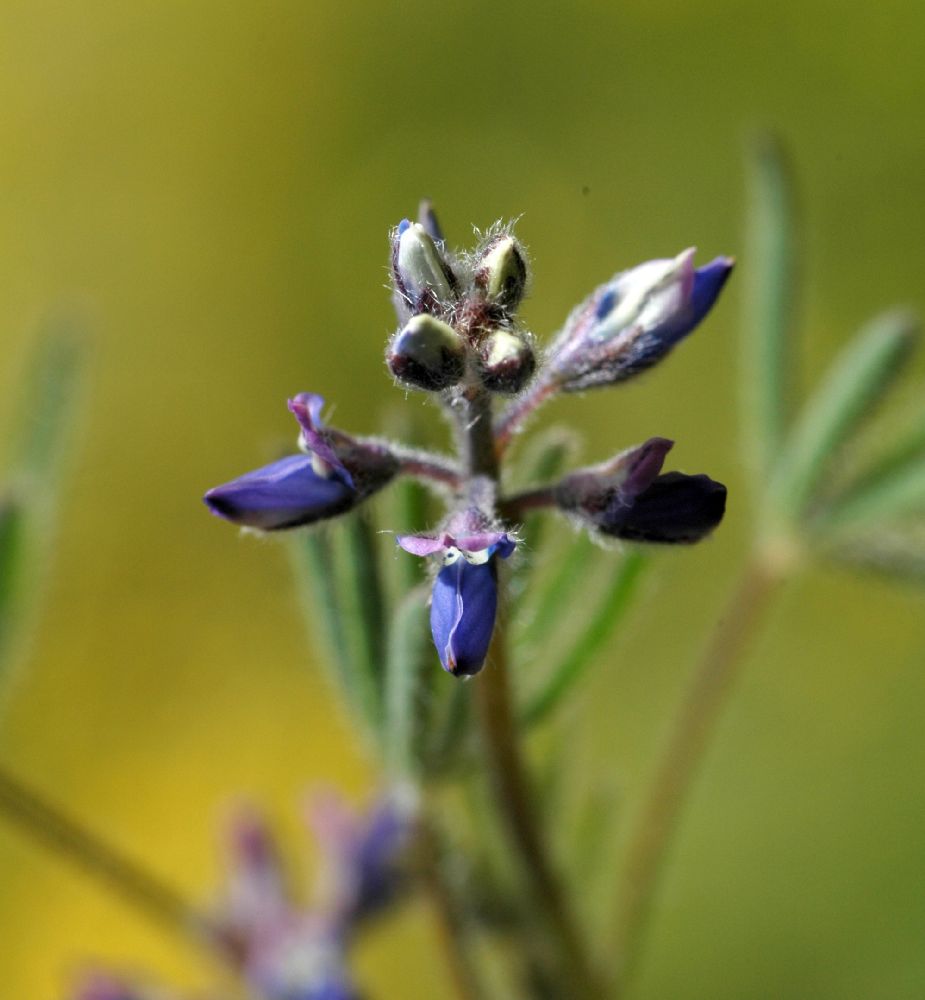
(209, 185)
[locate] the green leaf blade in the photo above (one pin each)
(858, 379)
(768, 363)
(611, 610)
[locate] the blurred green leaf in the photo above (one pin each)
(858, 379)
(448, 744)
(12, 518)
(541, 611)
(335, 599)
(360, 596)
(409, 673)
(893, 555)
(768, 354)
(616, 600)
(892, 486)
(38, 448)
(544, 461)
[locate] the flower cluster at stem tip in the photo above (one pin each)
(459, 338)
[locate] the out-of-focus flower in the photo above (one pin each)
(464, 602)
(633, 321)
(102, 986)
(627, 498)
(336, 474)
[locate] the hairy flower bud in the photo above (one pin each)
(627, 498)
(506, 361)
(502, 272)
(423, 277)
(427, 354)
(633, 321)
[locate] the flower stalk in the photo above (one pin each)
(688, 739)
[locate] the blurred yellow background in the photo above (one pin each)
(209, 184)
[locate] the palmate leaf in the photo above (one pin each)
(858, 379)
(613, 603)
(768, 348)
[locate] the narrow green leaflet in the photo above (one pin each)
(541, 616)
(335, 600)
(360, 597)
(894, 485)
(768, 362)
(313, 564)
(857, 380)
(410, 669)
(613, 605)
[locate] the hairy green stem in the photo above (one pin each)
(688, 739)
(507, 771)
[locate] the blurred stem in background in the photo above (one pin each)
(793, 454)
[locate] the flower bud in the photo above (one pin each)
(427, 354)
(633, 321)
(628, 498)
(422, 275)
(506, 361)
(502, 272)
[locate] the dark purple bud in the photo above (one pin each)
(501, 272)
(427, 354)
(633, 321)
(675, 508)
(285, 494)
(506, 361)
(627, 497)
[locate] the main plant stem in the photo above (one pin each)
(507, 771)
(688, 739)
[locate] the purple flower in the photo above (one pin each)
(337, 472)
(628, 324)
(465, 595)
(627, 498)
(364, 859)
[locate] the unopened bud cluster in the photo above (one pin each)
(457, 314)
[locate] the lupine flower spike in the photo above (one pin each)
(459, 338)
